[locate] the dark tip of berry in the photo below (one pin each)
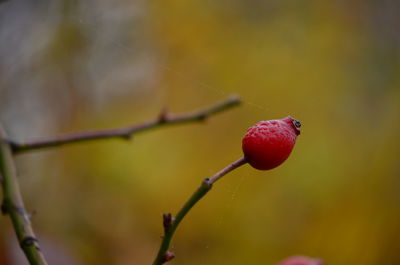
(297, 124)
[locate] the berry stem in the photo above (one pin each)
(228, 169)
(171, 224)
(13, 205)
(125, 132)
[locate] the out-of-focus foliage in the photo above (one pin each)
(72, 65)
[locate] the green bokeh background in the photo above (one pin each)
(334, 65)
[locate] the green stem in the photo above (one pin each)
(170, 224)
(125, 132)
(13, 205)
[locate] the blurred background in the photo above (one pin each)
(67, 66)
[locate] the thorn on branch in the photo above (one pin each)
(163, 116)
(28, 241)
(167, 222)
(202, 117)
(207, 183)
(127, 136)
(168, 256)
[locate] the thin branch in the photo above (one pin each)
(171, 224)
(13, 205)
(124, 132)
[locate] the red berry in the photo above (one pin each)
(300, 260)
(268, 144)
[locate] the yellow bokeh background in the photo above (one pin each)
(333, 65)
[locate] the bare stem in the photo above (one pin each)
(124, 132)
(171, 224)
(13, 205)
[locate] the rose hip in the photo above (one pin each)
(301, 260)
(268, 144)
